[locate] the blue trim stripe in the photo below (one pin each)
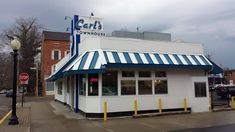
(77, 44)
(148, 58)
(195, 59)
(204, 60)
(187, 60)
(178, 59)
(106, 57)
(168, 59)
(94, 60)
(158, 58)
(137, 56)
(116, 57)
(83, 61)
(127, 57)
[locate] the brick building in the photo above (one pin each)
(55, 45)
(229, 75)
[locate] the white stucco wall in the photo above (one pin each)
(180, 85)
(127, 44)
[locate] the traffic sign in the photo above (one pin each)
(24, 78)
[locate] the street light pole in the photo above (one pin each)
(15, 44)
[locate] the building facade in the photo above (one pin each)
(123, 70)
(229, 76)
(55, 45)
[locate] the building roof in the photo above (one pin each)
(61, 36)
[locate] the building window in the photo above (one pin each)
(56, 55)
(82, 90)
(109, 83)
(128, 87)
(68, 84)
(145, 86)
(160, 74)
(144, 74)
(59, 89)
(160, 86)
(200, 89)
(128, 74)
(93, 84)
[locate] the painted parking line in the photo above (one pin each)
(4, 118)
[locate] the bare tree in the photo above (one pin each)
(28, 32)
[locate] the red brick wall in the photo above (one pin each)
(46, 57)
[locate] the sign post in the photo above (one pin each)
(24, 79)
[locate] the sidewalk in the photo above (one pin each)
(24, 121)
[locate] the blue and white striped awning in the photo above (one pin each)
(98, 60)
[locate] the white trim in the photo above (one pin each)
(110, 57)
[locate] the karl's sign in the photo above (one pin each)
(88, 25)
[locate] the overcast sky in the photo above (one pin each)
(209, 22)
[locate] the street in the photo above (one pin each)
(5, 104)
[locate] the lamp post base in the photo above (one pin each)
(13, 120)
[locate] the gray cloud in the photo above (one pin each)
(209, 22)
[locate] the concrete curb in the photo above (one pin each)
(222, 109)
(160, 114)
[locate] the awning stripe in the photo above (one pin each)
(137, 56)
(173, 60)
(164, 59)
(144, 60)
(132, 57)
(150, 61)
(116, 57)
(88, 60)
(204, 60)
(94, 60)
(178, 59)
(187, 60)
(194, 58)
(127, 57)
(83, 61)
(158, 59)
(122, 58)
(200, 60)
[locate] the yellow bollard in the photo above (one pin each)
(105, 110)
(160, 105)
(232, 103)
(185, 104)
(135, 107)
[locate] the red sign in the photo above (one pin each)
(24, 77)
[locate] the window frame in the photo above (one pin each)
(53, 54)
(195, 91)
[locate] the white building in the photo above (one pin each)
(120, 70)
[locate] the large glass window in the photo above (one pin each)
(145, 86)
(109, 83)
(160, 86)
(128, 74)
(59, 89)
(128, 87)
(200, 89)
(82, 90)
(144, 74)
(93, 84)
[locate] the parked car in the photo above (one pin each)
(225, 91)
(4, 91)
(9, 93)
